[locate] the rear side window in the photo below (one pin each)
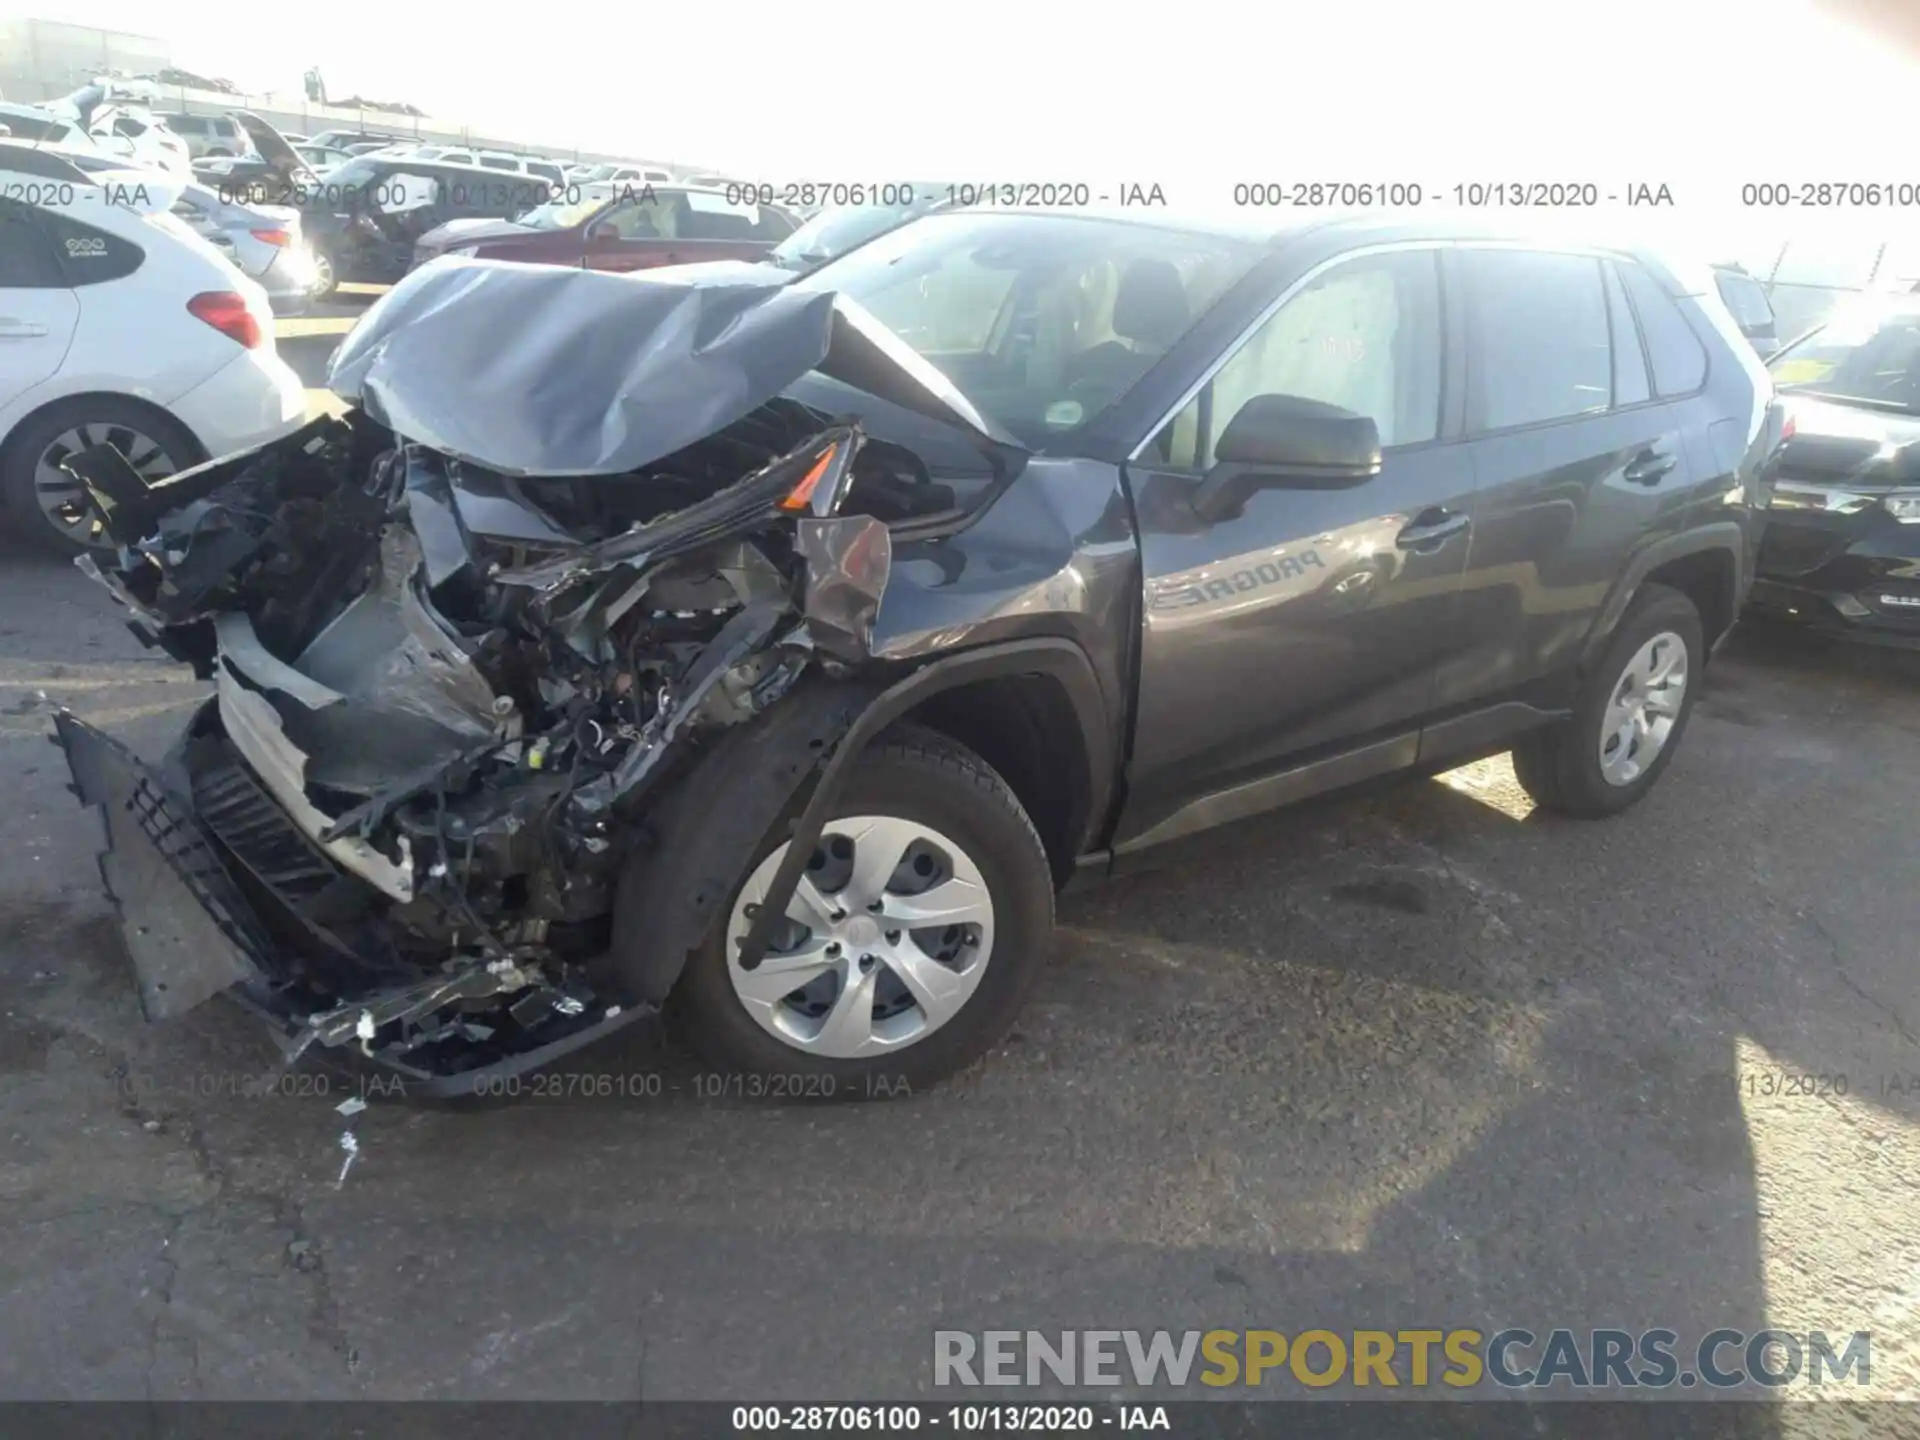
(1630, 383)
(89, 256)
(710, 218)
(1541, 346)
(1744, 299)
(27, 257)
(1679, 359)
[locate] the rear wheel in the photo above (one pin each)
(1629, 717)
(910, 944)
(48, 504)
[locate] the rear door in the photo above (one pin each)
(38, 309)
(1311, 625)
(1577, 460)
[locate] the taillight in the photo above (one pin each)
(227, 313)
(272, 237)
(1787, 428)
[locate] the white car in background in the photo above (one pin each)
(100, 119)
(120, 325)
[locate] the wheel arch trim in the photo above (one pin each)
(1050, 656)
(1726, 536)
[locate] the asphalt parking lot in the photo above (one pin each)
(1418, 1057)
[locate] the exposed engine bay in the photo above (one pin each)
(446, 691)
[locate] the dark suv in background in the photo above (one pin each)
(774, 651)
(1842, 550)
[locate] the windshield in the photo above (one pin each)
(355, 172)
(1868, 355)
(834, 232)
(1042, 321)
(1746, 300)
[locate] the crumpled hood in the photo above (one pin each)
(534, 370)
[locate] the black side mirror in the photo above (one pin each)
(1287, 442)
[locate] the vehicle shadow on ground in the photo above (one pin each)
(1414, 1059)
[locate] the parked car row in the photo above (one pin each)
(98, 119)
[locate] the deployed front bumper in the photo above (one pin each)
(193, 917)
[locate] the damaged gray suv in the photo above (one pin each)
(769, 656)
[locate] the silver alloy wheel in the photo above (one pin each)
(322, 273)
(1646, 702)
(63, 500)
(885, 940)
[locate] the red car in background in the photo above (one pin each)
(620, 227)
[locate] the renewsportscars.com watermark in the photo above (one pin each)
(1511, 1359)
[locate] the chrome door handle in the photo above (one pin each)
(20, 330)
(1430, 528)
(1650, 465)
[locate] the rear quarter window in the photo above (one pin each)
(89, 256)
(1679, 359)
(1744, 298)
(27, 257)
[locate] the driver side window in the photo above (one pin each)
(1364, 335)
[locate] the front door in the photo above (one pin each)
(1315, 621)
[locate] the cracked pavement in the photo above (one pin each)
(1412, 1057)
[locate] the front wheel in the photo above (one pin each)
(1629, 717)
(48, 504)
(916, 932)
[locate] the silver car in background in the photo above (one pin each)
(263, 241)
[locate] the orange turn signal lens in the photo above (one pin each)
(798, 497)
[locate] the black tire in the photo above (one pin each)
(920, 776)
(29, 440)
(1560, 766)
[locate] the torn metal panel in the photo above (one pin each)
(848, 560)
(445, 547)
(404, 673)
